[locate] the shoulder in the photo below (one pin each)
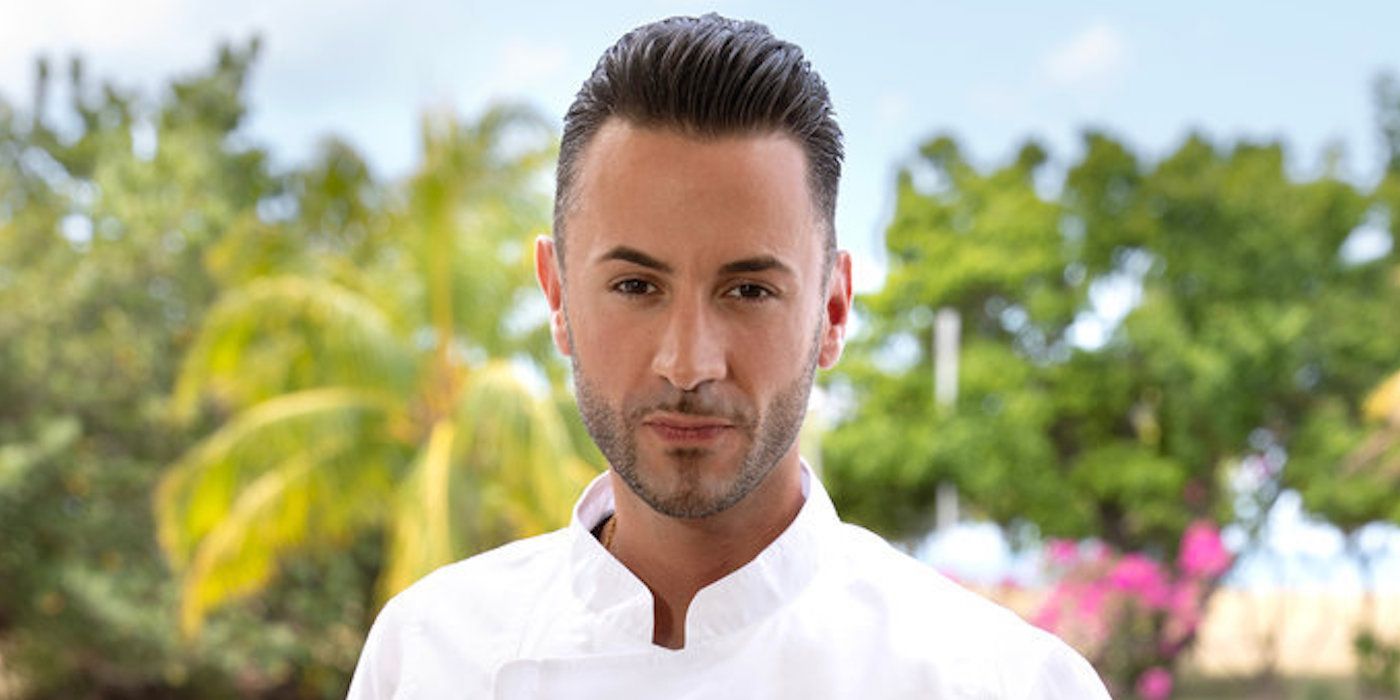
(878, 576)
(490, 584)
(928, 619)
(460, 618)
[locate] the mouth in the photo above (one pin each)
(680, 428)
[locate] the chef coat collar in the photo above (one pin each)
(772, 579)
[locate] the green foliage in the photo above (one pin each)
(268, 353)
(363, 393)
(1378, 661)
(100, 286)
(1253, 337)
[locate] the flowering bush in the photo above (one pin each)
(1131, 615)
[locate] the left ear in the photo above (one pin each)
(836, 311)
(551, 279)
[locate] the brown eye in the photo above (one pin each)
(634, 287)
(750, 292)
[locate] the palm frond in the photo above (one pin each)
(521, 457)
(196, 495)
(239, 554)
(420, 532)
(285, 334)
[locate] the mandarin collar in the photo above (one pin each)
(743, 597)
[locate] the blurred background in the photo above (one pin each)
(1126, 356)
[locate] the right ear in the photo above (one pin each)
(548, 272)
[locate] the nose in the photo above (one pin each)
(691, 348)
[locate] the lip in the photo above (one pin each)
(674, 427)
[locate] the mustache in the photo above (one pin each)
(702, 402)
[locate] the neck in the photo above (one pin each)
(676, 557)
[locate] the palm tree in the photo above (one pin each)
(384, 393)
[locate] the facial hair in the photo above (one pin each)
(769, 433)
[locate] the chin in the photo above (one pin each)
(689, 482)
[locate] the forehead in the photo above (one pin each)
(663, 190)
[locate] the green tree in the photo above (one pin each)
(148, 254)
(108, 202)
(1238, 369)
(1346, 466)
(1250, 326)
(379, 391)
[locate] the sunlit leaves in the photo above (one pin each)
(365, 374)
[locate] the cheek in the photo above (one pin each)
(775, 346)
(605, 342)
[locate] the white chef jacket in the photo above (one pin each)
(828, 610)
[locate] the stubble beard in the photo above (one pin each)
(769, 435)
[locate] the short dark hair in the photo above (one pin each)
(707, 76)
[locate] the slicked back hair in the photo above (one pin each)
(707, 77)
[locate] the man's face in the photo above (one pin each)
(693, 309)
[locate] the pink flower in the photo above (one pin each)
(1183, 612)
(1062, 552)
(1048, 616)
(1142, 578)
(1202, 552)
(1091, 598)
(1155, 684)
(1073, 611)
(1185, 603)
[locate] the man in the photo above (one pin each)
(694, 283)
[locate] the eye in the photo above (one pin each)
(634, 287)
(749, 292)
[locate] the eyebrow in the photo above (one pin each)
(759, 263)
(635, 256)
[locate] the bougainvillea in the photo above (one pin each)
(1129, 613)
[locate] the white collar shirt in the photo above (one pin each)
(827, 610)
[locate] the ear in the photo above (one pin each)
(549, 274)
(837, 310)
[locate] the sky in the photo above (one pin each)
(990, 73)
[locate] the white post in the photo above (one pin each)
(947, 327)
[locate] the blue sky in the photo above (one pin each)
(992, 74)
